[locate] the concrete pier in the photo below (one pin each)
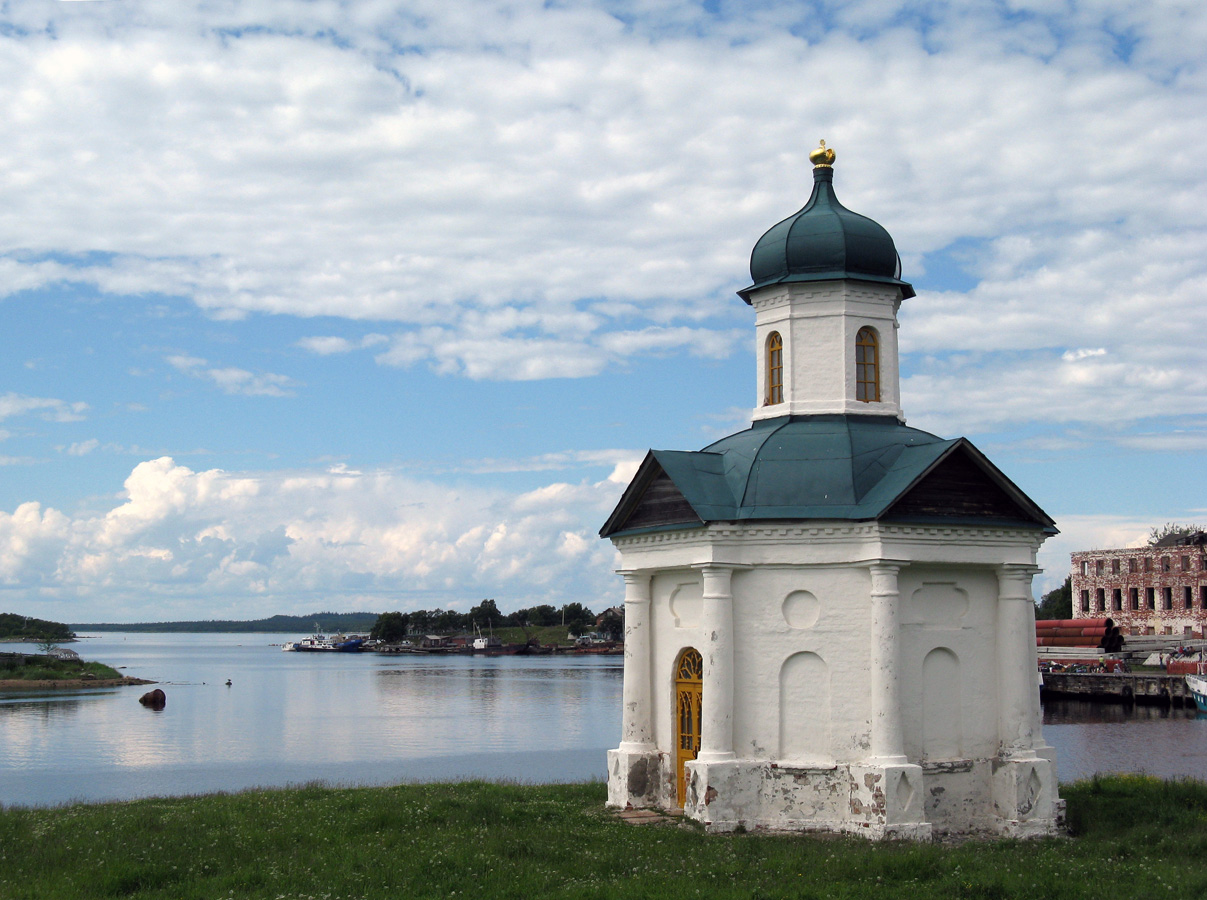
(1167, 690)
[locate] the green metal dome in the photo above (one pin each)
(825, 241)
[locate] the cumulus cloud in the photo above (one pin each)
(542, 192)
(995, 392)
(533, 191)
(289, 537)
(1094, 328)
(31, 540)
(1082, 532)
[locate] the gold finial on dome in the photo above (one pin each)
(822, 157)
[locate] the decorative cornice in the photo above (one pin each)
(770, 301)
(973, 535)
(780, 295)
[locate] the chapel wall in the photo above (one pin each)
(794, 627)
(949, 662)
(676, 607)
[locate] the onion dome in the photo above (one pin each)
(825, 241)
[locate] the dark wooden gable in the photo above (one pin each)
(652, 500)
(661, 504)
(960, 486)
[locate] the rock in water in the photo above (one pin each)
(154, 699)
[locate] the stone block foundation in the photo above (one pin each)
(893, 801)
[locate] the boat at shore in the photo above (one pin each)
(321, 643)
(485, 643)
(1197, 684)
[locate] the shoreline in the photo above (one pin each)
(17, 684)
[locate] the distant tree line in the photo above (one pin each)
(1173, 533)
(390, 626)
(13, 626)
(396, 626)
(325, 621)
(1058, 603)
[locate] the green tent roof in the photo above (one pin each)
(825, 467)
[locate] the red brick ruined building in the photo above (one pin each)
(1158, 589)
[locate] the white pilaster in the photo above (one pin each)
(888, 745)
(637, 730)
(716, 737)
(1017, 674)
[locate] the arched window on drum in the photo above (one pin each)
(775, 369)
(867, 366)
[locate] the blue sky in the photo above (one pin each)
(377, 305)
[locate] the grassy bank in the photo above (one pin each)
(1133, 838)
(542, 634)
(47, 668)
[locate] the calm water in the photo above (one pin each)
(296, 717)
(366, 719)
(1106, 737)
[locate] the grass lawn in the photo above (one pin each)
(542, 634)
(47, 668)
(1133, 837)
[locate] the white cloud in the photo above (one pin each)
(236, 381)
(1172, 441)
(543, 192)
(82, 448)
(30, 542)
(624, 471)
(1081, 532)
(52, 410)
(1082, 353)
(656, 340)
(290, 537)
(326, 346)
(559, 460)
(991, 392)
(501, 347)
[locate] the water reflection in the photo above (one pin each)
(498, 704)
(1070, 712)
(58, 704)
(292, 717)
(1168, 742)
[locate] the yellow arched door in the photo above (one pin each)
(689, 689)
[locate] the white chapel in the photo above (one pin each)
(829, 622)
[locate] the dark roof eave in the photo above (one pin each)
(907, 289)
(653, 529)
